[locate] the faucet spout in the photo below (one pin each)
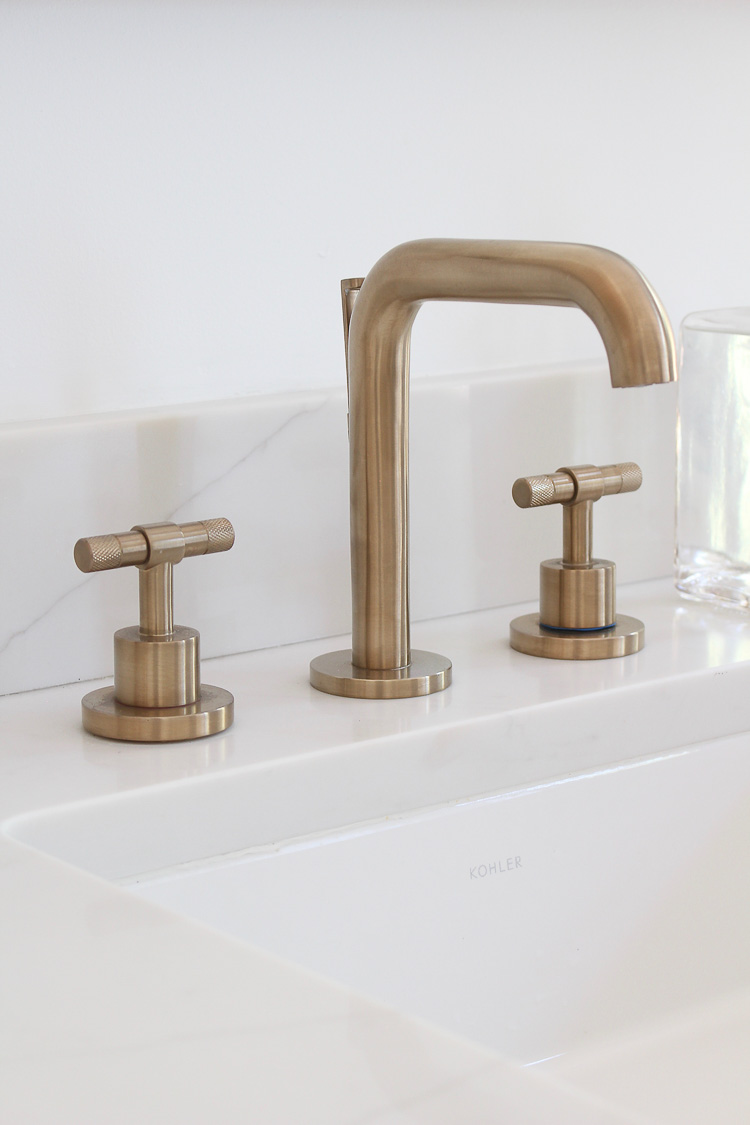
(639, 345)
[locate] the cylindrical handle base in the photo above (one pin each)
(157, 671)
(575, 597)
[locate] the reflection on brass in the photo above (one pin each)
(105, 716)
(350, 287)
(621, 639)
(577, 618)
(335, 674)
(639, 344)
(157, 696)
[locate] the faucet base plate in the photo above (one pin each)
(335, 674)
(104, 715)
(623, 638)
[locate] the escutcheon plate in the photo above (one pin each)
(623, 638)
(103, 715)
(335, 674)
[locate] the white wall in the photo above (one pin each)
(185, 181)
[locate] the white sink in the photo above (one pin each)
(598, 924)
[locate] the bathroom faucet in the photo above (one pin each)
(638, 340)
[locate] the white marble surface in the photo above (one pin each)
(277, 467)
(116, 1010)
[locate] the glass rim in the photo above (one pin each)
(729, 322)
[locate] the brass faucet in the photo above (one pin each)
(640, 349)
(158, 695)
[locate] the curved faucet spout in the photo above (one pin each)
(612, 292)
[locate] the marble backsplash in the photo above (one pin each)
(277, 467)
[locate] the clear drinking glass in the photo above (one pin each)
(713, 458)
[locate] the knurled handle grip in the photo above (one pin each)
(581, 482)
(137, 547)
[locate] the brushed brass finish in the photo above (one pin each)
(157, 671)
(584, 482)
(108, 552)
(621, 639)
(157, 695)
(334, 673)
(105, 716)
(577, 617)
(350, 287)
(626, 311)
(578, 532)
(577, 597)
(132, 548)
(155, 600)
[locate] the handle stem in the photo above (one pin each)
(578, 531)
(156, 600)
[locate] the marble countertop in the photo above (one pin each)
(115, 1010)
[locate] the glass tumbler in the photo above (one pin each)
(713, 458)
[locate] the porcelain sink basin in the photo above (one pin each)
(597, 924)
